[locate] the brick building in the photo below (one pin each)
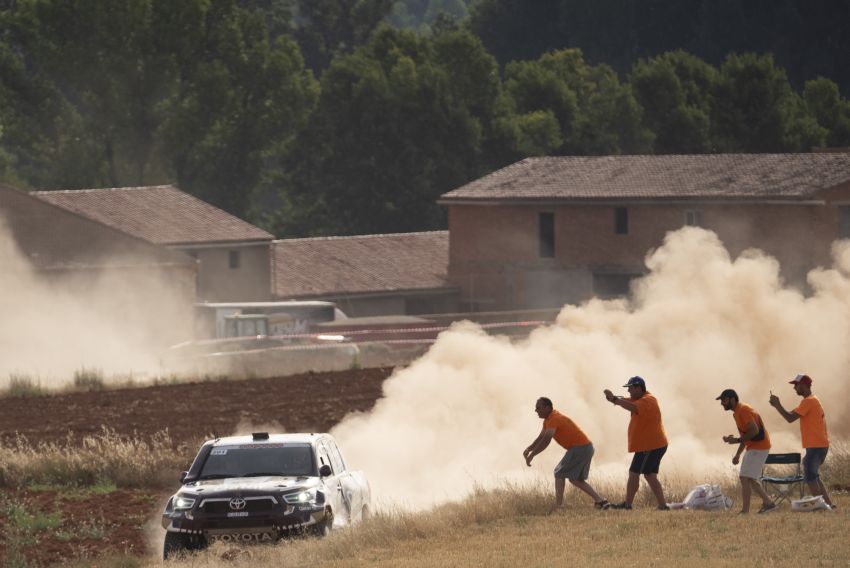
(233, 256)
(80, 255)
(547, 231)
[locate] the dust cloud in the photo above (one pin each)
(115, 323)
(697, 323)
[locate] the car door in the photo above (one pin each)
(332, 482)
(351, 489)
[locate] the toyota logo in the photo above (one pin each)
(237, 503)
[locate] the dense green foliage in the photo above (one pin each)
(353, 116)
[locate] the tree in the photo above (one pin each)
(239, 103)
(755, 109)
(596, 113)
(674, 90)
(517, 29)
(830, 109)
(330, 28)
(104, 61)
(420, 14)
(399, 122)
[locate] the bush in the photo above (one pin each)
(88, 379)
(22, 386)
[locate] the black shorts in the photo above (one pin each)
(648, 461)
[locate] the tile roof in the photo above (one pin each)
(690, 177)
(326, 266)
(53, 238)
(160, 214)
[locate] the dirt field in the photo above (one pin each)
(43, 526)
(311, 402)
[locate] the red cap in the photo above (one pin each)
(805, 379)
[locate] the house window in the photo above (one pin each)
(607, 286)
(621, 220)
(693, 218)
(546, 240)
(233, 259)
(844, 222)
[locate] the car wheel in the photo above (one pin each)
(324, 528)
(177, 544)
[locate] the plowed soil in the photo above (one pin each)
(86, 524)
(312, 402)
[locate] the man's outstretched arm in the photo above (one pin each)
(620, 401)
(789, 416)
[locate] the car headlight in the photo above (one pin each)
(181, 502)
(302, 497)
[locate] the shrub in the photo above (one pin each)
(22, 386)
(88, 379)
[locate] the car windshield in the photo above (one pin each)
(259, 459)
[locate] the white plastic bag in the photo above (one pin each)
(704, 497)
(810, 504)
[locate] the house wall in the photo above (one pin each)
(411, 303)
(218, 282)
(494, 249)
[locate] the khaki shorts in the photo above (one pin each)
(575, 464)
(752, 463)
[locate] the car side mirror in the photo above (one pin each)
(325, 471)
(183, 475)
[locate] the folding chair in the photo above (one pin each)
(782, 485)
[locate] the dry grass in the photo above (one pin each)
(503, 527)
(510, 527)
(104, 458)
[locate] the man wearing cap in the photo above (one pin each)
(813, 431)
(755, 438)
(575, 465)
(646, 439)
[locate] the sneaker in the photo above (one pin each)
(623, 505)
(603, 505)
(663, 507)
(767, 508)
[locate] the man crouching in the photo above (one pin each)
(575, 465)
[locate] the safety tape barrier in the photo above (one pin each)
(364, 332)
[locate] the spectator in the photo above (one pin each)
(813, 431)
(754, 437)
(575, 465)
(646, 439)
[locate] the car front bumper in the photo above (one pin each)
(251, 527)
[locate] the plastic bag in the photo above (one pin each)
(810, 504)
(704, 497)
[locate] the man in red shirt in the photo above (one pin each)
(813, 431)
(754, 437)
(575, 465)
(646, 439)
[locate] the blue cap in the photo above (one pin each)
(635, 381)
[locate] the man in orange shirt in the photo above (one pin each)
(575, 465)
(646, 439)
(813, 431)
(755, 438)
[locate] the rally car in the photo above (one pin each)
(262, 487)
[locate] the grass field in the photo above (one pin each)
(504, 527)
(511, 528)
